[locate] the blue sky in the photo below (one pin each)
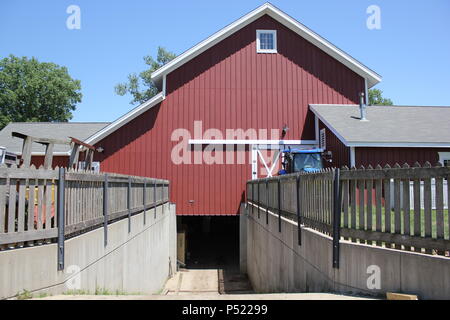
(411, 51)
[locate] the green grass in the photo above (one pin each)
(101, 292)
(76, 292)
(43, 295)
(158, 292)
(24, 295)
(402, 226)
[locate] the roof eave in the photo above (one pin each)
(372, 77)
(113, 126)
(42, 153)
(374, 144)
(209, 42)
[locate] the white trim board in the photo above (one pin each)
(399, 144)
(264, 142)
(372, 77)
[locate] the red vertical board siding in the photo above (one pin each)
(391, 156)
(365, 156)
(340, 153)
(229, 86)
(58, 161)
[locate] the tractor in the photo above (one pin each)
(297, 160)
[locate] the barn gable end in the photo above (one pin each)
(227, 87)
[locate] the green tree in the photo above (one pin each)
(376, 98)
(36, 91)
(141, 86)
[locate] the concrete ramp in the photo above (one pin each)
(193, 281)
(204, 296)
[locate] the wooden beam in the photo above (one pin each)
(40, 140)
(81, 143)
(73, 159)
(28, 141)
(400, 296)
(48, 159)
(26, 151)
(400, 239)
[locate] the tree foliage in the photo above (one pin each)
(141, 86)
(36, 91)
(376, 98)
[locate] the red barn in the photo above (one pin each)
(240, 87)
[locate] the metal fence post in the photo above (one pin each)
(267, 199)
(105, 209)
(253, 197)
(168, 192)
(336, 217)
(299, 214)
(168, 195)
(154, 198)
(279, 204)
(259, 201)
(61, 222)
(144, 199)
(129, 203)
(163, 187)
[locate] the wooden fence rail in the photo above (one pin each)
(378, 209)
(29, 202)
(404, 208)
(27, 210)
(315, 196)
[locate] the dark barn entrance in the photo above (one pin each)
(211, 241)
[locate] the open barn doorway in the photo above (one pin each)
(210, 241)
(208, 246)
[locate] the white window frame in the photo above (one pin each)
(444, 156)
(258, 42)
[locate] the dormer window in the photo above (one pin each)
(266, 41)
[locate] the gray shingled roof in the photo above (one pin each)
(405, 125)
(52, 130)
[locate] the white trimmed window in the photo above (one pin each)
(444, 158)
(266, 41)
